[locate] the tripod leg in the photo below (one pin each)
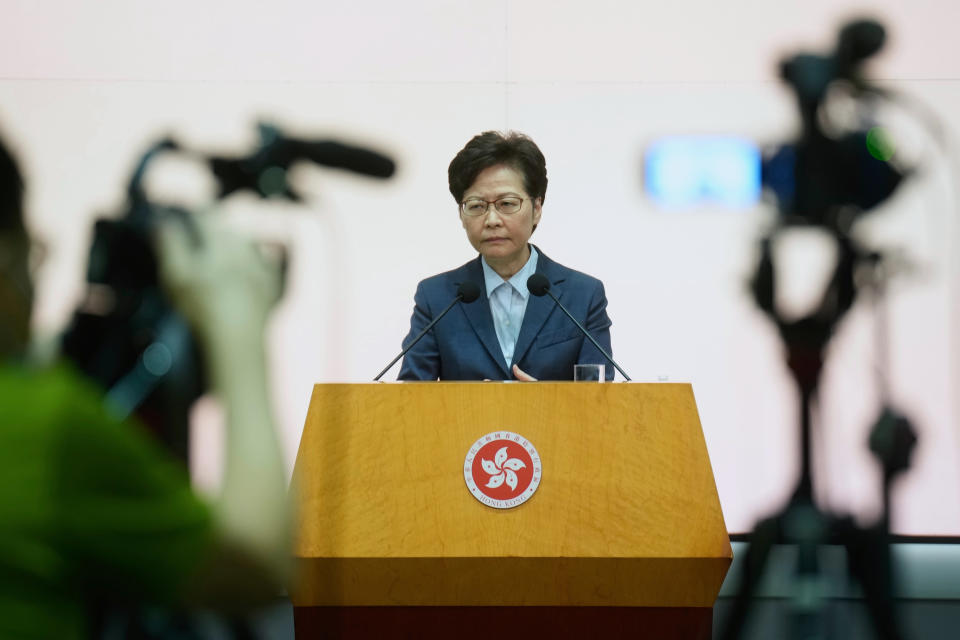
(764, 536)
(868, 554)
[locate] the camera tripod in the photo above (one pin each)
(801, 522)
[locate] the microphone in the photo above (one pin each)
(264, 171)
(539, 285)
(467, 292)
(330, 153)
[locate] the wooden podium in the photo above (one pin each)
(623, 538)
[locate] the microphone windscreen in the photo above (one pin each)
(858, 41)
(538, 284)
(356, 159)
(468, 291)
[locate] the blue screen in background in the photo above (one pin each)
(682, 172)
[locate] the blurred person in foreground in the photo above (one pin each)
(499, 182)
(91, 509)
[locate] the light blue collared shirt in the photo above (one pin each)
(508, 302)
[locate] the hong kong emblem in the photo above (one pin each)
(502, 469)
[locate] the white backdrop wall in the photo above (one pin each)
(85, 86)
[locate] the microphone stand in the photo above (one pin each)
(467, 292)
(589, 337)
(538, 285)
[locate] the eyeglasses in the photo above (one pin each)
(507, 205)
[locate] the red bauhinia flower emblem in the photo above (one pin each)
(502, 469)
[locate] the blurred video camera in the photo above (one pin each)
(126, 336)
(830, 174)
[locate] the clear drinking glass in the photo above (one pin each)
(589, 372)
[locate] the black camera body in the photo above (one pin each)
(828, 179)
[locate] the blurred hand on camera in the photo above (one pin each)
(218, 279)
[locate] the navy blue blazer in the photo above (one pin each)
(464, 345)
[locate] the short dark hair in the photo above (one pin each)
(11, 192)
(491, 148)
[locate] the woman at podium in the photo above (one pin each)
(499, 182)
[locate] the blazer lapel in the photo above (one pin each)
(480, 318)
(539, 309)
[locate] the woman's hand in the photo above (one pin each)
(522, 375)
